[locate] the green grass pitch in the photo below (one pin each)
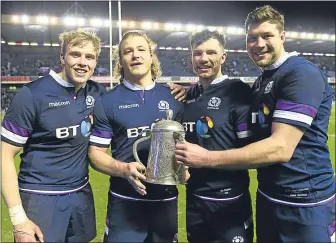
(100, 184)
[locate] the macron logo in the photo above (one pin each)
(128, 106)
(60, 103)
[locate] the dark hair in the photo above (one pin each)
(198, 38)
(263, 14)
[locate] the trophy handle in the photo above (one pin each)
(178, 139)
(135, 145)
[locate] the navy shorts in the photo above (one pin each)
(140, 221)
(63, 218)
(285, 223)
(219, 221)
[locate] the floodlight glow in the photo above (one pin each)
(53, 20)
(310, 35)
(25, 44)
(80, 22)
(318, 54)
(156, 26)
(169, 48)
(190, 27)
(15, 18)
(132, 24)
(162, 48)
(295, 34)
(169, 26)
(200, 27)
(69, 21)
(46, 44)
(55, 44)
(307, 53)
(42, 19)
(124, 23)
(107, 23)
(11, 43)
(96, 22)
(325, 37)
(3, 42)
(146, 25)
(33, 44)
(220, 29)
(318, 36)
(239, 31)
(232, 30)
(332, 37)
(178, 26)
(211, 28)
(185, 49)
(24, 19)
(179, 48)
(303, 35)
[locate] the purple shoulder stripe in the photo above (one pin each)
(102, 134)
(242, 127)
(15, 129)
(298, 108)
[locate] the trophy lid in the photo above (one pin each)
(168, 126)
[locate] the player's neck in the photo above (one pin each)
(207, 81)
(77, 86)
(143, 81)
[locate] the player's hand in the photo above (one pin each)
(192, 155)
(135, 173)
(187, 174)
(178, 91)
(27, 232)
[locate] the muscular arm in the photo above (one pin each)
(278, 148)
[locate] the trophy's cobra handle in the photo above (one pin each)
(178, 139)
(135, 145)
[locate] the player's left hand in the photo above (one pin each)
(192, 155)
(178, 91)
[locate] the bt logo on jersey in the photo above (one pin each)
(203, 126)
(71, 131)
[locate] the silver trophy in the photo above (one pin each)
(161, 166)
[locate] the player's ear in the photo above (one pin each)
(223, 58)
(283, 36)
(62, 58)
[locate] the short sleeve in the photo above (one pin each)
(101, 133)
(17, 125)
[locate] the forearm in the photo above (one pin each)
(104, 163)
(9, 182)
(263, 153)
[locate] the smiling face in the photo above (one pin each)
(78, 63)
(207, 59)
(135, 58)
(265, 43)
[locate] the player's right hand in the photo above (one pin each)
(27, 232)
(135, 174)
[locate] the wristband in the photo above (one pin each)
(17, 215)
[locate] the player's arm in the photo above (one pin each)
(13, 139)
(301, 94)
(101, 161)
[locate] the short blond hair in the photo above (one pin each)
(263, 14)
(79, 37)
(156, 65)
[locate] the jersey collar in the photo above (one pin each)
(217, 80)
(281, 60)
(62, 82)
(138, 87)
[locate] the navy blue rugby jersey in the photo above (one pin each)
(120, 116)
(217, 119)
(52, 123)
(294, 91)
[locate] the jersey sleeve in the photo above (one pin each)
(299, 97)
(241, 113)
(101, 134)
(17, 125)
